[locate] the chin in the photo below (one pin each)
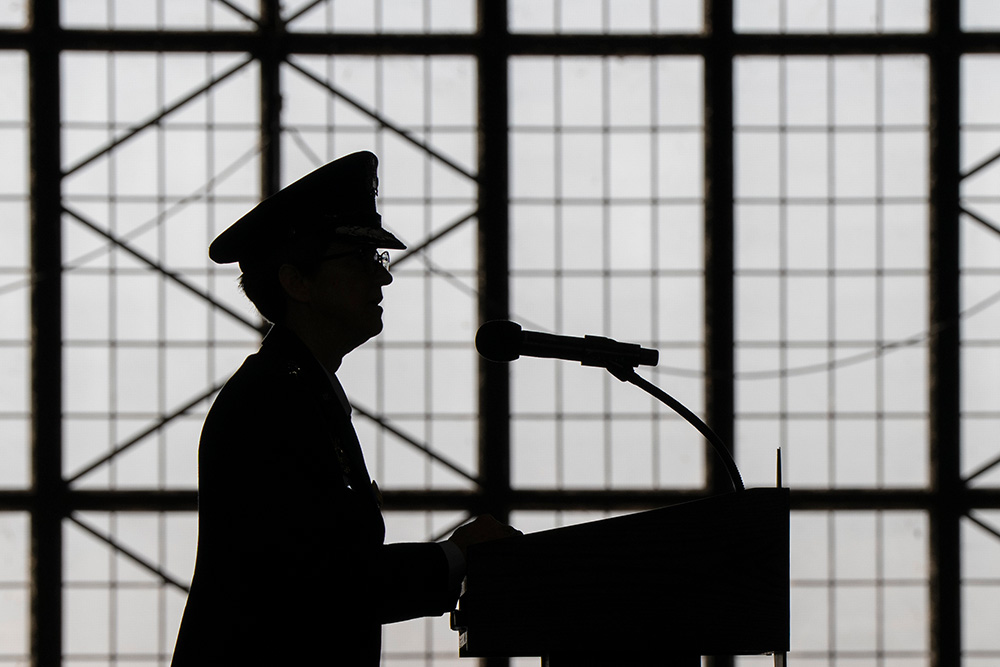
(374, 330)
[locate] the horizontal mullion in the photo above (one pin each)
(851, 499)
(516, 44)
(831, 415)
(874, 272)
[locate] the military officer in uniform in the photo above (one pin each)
(292, 568)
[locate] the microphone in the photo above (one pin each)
(501, 340)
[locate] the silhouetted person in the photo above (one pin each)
(292, 568)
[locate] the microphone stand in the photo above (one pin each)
(627, 374)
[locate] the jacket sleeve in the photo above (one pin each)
(413, 582)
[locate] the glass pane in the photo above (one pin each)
(159, 14)
(15, 283)
(125, 577)
(382, 16)
(152, 328)
(981, 583)
(14, 15)
(980, 238)
(980, 15)
(14, 586)
(419, 376)
(606, 240)
(597, 16)
(831, 263)
(859, 584)
(831, 16)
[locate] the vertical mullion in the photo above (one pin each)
(47, 487)
(654, 245)
(271, 55)
(607, 275)
(493, 252)
(831, 329)
(880, 372)
(719, 248)
(783, 252)
(428, 276)
(558, 260)
(944, 356)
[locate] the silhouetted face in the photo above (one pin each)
(346, 292)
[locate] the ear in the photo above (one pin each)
(295, 284)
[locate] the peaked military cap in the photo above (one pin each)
(335, 202)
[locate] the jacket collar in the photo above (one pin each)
(283, 341)
(297, 359)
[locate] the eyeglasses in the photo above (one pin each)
(364, 254)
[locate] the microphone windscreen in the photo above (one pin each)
(499, 340)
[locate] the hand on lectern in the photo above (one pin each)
(483, 528)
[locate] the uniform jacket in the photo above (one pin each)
(292, 568)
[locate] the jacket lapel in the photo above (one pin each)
(325, 392)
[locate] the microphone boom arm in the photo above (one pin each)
(626, 374)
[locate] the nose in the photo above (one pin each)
(383, 275)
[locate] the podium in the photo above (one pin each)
(661, 587)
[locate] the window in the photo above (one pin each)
(794, 202)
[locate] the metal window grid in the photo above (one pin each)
(140, 513)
